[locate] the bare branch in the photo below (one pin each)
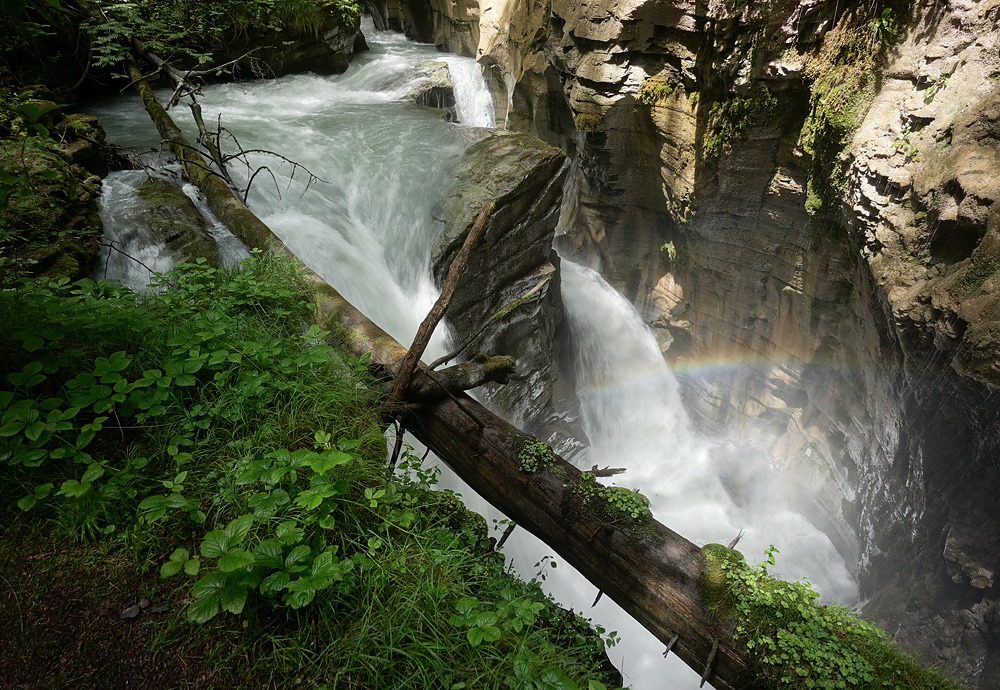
(111, 245)
(436, 313)
(498, 314)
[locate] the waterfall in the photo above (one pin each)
(473, 102)
(366, 222)
(633, 416)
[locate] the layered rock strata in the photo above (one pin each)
(799, 196)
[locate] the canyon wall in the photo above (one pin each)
(799, 197)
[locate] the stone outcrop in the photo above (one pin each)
(325, 49)
(802, 194)
(433, 88)
(50, 222)
(511, 282)
(171, 218)
(451, 26)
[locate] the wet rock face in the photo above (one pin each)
(511, 282)
(846, 291)
(51, 225)
(173, 219)
(434, 89)
(450, 25)
(328, 50)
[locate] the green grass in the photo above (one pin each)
(204, 434)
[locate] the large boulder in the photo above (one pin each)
(433, 87)
(174, 220)
(512, 277)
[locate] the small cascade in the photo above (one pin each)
(131, 250)
(510, 82)
(473, 103)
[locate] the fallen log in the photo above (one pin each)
(649, 570)
(427, 387)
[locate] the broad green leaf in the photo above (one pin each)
(491, 633)
(84, 438)
(151, 503)
(302, 596)
(475, 636)
(265, 504)
(269, 553)
(28, 502)
(274, 583)
(310, 499)
(213, 583)
(238, 529)
(192, 566)
(486, 618)
(33, 342)
(296, 555)
(34, 430)
(92, 474)
(203, 609)
(11, 428)
(233, 598)
(174, 500)
(328, 460)
(235, 559)
(290, 533)
(170, 568)
(215, 544)
(324, 565)
(73, 489)
(465, 605)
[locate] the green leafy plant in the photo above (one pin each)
(617, 502)
(903, 145)
(795, 642)
(935, 86)
(534, 455)
(883, 28)
(231, 449)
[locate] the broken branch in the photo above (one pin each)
(436, 313)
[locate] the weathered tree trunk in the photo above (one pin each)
(224, 202)
(649, 570)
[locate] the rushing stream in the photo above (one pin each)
(367, 227)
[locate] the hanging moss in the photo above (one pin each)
(730, 120)
(655, 88)
(586, 122)
(846, 76)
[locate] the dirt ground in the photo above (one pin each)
(62, 624)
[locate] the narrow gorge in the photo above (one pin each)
(745, 257)
(798, 197)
